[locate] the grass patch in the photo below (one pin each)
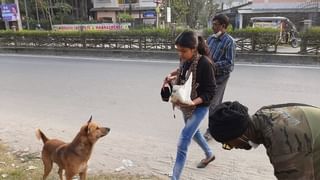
(18, 166)
(24, 166)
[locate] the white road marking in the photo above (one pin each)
(279, 66)
(93, 58)
(154, 61)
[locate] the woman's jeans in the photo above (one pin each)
(190, 130)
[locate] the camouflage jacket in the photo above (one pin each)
(291, 135)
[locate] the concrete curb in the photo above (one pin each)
(296, 59)
(167, 55)
(265, 58)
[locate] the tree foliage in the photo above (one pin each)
(63, 9)
(195, 8)
(54, 11)
(125, 17)
(193, 13)
(179, 11)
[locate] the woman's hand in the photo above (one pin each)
(185, 104)
(168, 79)
(192, 103)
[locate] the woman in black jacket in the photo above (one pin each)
(193, 53)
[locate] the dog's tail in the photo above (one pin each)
(41, 136)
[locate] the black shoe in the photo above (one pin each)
(204, 162)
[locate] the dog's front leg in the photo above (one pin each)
(69, 176)
(60, 173)
(83, 175)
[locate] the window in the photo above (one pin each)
(103, 1)
(127, 1)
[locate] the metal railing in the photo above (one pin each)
(261, 44)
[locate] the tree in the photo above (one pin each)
(63, 9)
(210, 9)
(195, 8)
(80, 8)
(179, 11)
(228, 3)
(193, 13)
(125, 17)
(44, 6)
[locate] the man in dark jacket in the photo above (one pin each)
(289, 132)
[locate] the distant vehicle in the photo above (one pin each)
(288, 31)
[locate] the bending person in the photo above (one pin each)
(289, 132)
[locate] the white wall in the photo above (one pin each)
(107, 14)
(147, 3)
(231, 3)
(114, 3)
(105, 3)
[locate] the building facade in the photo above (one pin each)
(227, 4)
(143, 11)
(298, 11)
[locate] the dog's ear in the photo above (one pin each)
(89, 121)
(87, 130)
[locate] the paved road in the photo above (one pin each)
(58, 94)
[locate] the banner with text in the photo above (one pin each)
(9, 12)
(91, 27)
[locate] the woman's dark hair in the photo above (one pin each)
(222, 19)
(189, 39)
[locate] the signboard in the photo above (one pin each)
(149, 14)
(274, 25)
(168, 15)
(9, 12)
(88, 27)
(149, 21)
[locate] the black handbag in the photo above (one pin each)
(166, 92)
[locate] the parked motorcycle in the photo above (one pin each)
(293, 40)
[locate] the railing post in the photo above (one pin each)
(303, 46)
(15, 40)
(140, 44)
(253, 43)
(83, 38)
(275, 44)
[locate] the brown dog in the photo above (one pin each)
(71, 157)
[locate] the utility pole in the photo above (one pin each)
(76, 5)
(51, 9)
(18, 14)
(130, 13)
(157, 13)
(6, 22)
(130, 8)
(49, 13)
(37, 11)
(27, 16)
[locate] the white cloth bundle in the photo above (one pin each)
(182, 93)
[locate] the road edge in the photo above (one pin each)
(269, 58)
